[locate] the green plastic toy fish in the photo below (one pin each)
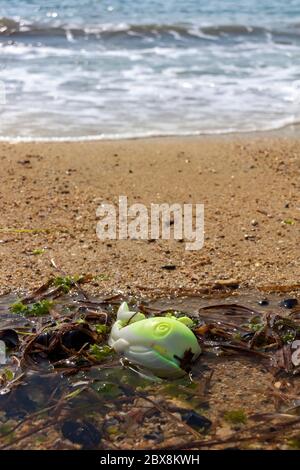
(158, 343)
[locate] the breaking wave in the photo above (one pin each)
(14, 29)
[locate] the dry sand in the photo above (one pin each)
(249, 185)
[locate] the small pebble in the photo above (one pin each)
(247, 336)
(83, 433)
(289, 303)
(154, 436)
(249, 237)
(110, 426)
(10, 338)
(197, 421)
(296, 357)
(76, 339)
(169, 267)
(44, 339)
(263, 302)
(232, 283)
(2, 353)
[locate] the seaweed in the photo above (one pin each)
(36, 309)
(100, 352)
(236, 416)
(66, 283)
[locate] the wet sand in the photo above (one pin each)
(248, 184)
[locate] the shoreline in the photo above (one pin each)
(247, 184)
(289, 130)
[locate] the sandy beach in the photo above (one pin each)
(250, 188)
(138, 343)
(248, 184)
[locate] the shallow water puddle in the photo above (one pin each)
(63, 388)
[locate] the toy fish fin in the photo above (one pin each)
(186, 321)
(123, 312)
(125, 315)
(120, 345)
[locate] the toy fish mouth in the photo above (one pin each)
(153, 349)
(139, 349)
(158, 352)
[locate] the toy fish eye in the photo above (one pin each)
(162, 329)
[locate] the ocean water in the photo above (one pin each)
(72, 69)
